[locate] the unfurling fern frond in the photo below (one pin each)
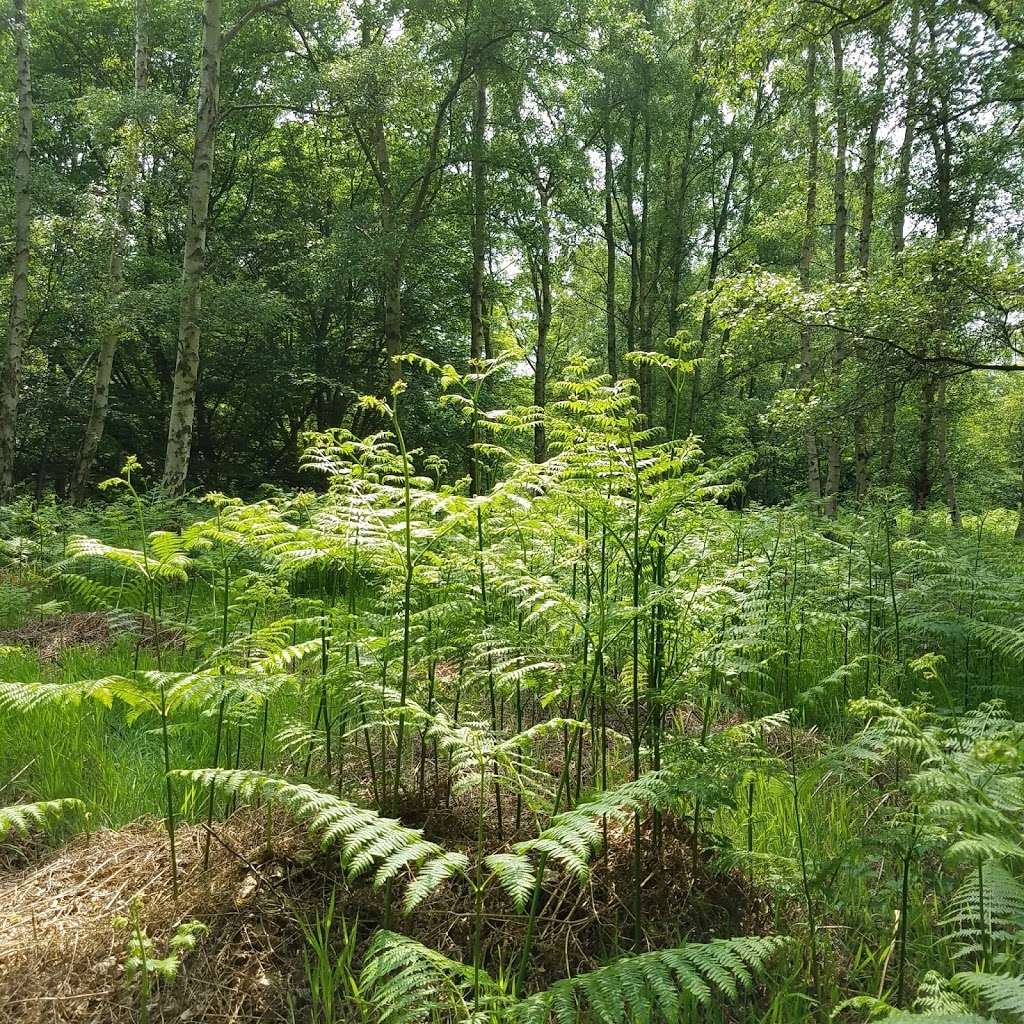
(654, 985)
(43, 813)
(364, 838)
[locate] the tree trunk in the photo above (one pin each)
(542, 295)
(835, 451)
(18, 327)
(901, 188)
(869, 170)
(942, 147)
(393, 317)
(186, 369)
(921, 483)
(948, 478)
(645, 379)
(540, 452)
(1019, 532)
(112, 329)
(609, 239)
(806, 254)
(478, 173)
(718, 236)
(627, 214)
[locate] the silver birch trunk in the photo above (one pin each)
(901, 189)
(477, 347)
(869, 170)
(186, 369)
(835, 450)
(18, 327)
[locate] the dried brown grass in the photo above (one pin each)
(61, 955)
(51, 635)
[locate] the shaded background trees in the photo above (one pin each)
(797, 225)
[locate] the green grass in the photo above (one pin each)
(95, 753)
(792, 656)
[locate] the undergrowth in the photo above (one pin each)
(585, 680)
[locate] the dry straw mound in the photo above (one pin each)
(61, 954)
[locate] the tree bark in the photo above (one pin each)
(186, 369)
(869, 171)
(945, 468)
(609, 240)
(10, 377)
(719, 227)
(901, 189)
(942, 147)
(542, 295)
(393, 273)
(806, 255)
(478, 174)
(921, 483)
(645, 379)
(112, 329)
(1019, 532)
(835, 451)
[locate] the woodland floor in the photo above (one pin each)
(61, 953)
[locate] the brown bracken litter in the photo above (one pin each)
(61, 954)
(51, 635)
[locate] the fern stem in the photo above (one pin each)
(812, 924)
(170, 791)
(901, 985)
(406, 600)
(212, 787)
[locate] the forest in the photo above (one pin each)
(512, 513)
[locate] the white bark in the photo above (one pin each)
(835, 451)
(478, 236)
(18, 328)
(186, 369)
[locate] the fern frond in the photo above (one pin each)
(436, 870)
(648, 986)
(573, 836)
(936, 995)
(43, 813)
(25, 697)
(364, 838)
(515, 874)
(406, 982)
(1001, 993)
